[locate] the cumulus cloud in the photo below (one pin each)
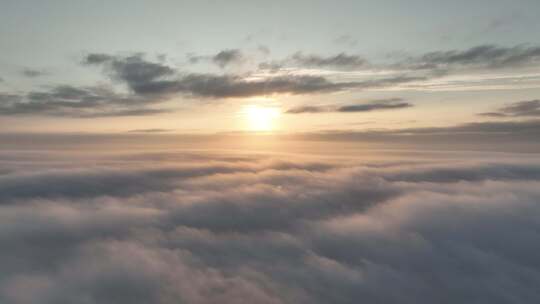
(381, 104)
(517, 109)
(207, 228)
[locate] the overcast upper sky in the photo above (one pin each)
(281, 66)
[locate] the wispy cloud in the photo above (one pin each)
(483, 56)
(374, 105)
(150, 130)
(340, 61)
(525, 108)
(222, 59)
(156, 79)
(70, 101)
(151, 82)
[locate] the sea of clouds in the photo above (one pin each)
(226, 227)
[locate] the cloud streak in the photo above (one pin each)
(482, 56)
(375, 105)
(340, 61)
(527, 108)
(71, 101)
(155, 79)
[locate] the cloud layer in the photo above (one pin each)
(148, 78)
(229, 228)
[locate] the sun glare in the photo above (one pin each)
(259, 118)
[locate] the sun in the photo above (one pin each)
(260, 118)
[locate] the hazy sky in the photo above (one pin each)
(220, 66)
(269, 152)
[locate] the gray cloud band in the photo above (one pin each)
(152, 82)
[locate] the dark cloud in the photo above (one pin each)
(141, 76)
(70, 101)
(7, 99)
(146, 78)
(152, 82)
(382, 104)
(341, 61)
(517, 109)
(228, 57)
(272, 66)
(98, 58)
(310, 109)
(215, 228)
(208, 85)
(483, 56)
(394, 103)
(226, 86)
(436, 63)
(99, 101)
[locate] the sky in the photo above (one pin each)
(243, 66)
(269, 152)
